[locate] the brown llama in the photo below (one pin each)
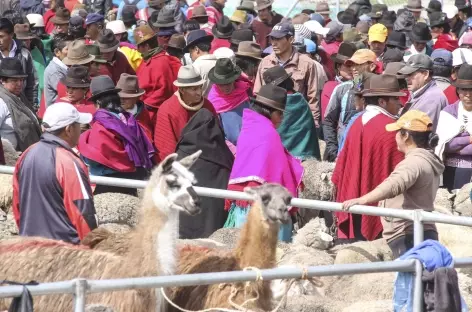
(256, 248)
(152, 250)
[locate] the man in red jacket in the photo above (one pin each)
(157, 71)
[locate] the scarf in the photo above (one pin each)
(262, 158)
(226, 102)
(25, 124)
(137, 145)
(149, 54)
(189, 108)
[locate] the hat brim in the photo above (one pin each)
(108, 49)
(392, 127)
(337, 58)
(462, 86)
(12, 76)
(74, 85)
(374, 15)
(414, 9)
(323, 12)
(377, 38)
(220, 35)
(396, 45)
(227, 80)
(59, 21)
(407, 70)
(264, 6)
(263, 103)
(98, 94)
(99, 60)
(123, 94)
(414, 38)
(369, 94)
(249, 10)
(157, 25)
(249, 55)
(197, 41)
(192, 84)
(70, 62)
(25, 37)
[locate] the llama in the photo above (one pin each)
(152, 250)
(256, 248)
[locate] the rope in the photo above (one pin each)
(234, 291)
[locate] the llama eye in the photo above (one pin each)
(173, 184)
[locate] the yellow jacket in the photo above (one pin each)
(133, 56)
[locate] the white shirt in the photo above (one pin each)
(12, 50)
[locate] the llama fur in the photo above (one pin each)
(315, 235)
(256, 248)
(30, 258)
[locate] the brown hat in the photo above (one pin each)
(129, 86)
(78, 54)
(322, 8)
(272, 96)
(107, 41)
(393, 68)
(249, 49)
(414, 6)
(143, 33)
(62, 16)
(22, 32)
(77, 77)
(199, 11)
(383, 85)
(263, 4)
(177, 41)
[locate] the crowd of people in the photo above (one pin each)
(111, 88)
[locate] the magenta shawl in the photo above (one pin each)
(226, 102)
(261, 156)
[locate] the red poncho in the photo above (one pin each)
(369, 155)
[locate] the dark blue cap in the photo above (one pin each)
(93, 18)
(196, 36)
(442, 57)
(281, 30)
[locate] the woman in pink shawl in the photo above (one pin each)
(261, 157)
(229, 96)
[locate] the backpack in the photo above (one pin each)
(131, 5)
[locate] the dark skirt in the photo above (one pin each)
(455, 178)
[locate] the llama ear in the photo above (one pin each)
(188, 161)
(166, 164)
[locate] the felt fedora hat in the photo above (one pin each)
(247, 6)
(393, 68)
(77, 77)
(420, 33)
(240, 35)
(414, 6)
(165, 18)
(249, 49)
(143, 33)
(322, 8)
(434, 6)
(199, 11)
(107, 41)
(464, 77)
(102, 85)
(224, 72)
(437, 19)
(377, 10)
(346, 51)
(275, 75)
(188, 77)
(223, 29)
(397, 39)
(383, 85)
(129, 86)
(10, 67)
(263, 4)
(195, 37)
(94, 50)
(22, 32)
(388, 19)
(62, 16)
(78, 54)
(462, 4)
(177, 41)
(272, 96)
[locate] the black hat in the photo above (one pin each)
(388, 19)
(10, 67)
(404, 21)
(107, 41)
(195, 37)
(101, 85)
(223, 29)
(348, 17)
(224, 72)
(128, 14)
(272, 96)
(393, 55)
(437, 19)
(377, 10)
(397, 39)
(420, 33)
(464, 77)
(434, 6)
(165, 18)
(346, 51)
(240, 35)
(275, 75)
(77, 77)
(462, 4)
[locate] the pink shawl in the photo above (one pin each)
(226, 102)
(261, 156)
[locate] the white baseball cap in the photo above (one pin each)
(61, 115)
(36, 20)
(461, 56)
(316, 28)
(117, 27)
(451, 11)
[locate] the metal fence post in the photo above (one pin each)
(418, 237)
(79, 295)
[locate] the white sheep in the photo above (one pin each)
(314, 234)
(462, 203)
(116, 212)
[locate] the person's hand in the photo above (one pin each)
(352, 202)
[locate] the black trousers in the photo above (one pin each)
(402, 244)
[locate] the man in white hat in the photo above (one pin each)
(52, 193)
(174, 113)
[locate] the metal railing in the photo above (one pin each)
(80, 287)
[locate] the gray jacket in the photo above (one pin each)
(52, 74)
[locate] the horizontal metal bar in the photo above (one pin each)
(462, 262)
(95, 286)
(444, 218)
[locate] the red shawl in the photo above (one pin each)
(369, 156)
(106, 148)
